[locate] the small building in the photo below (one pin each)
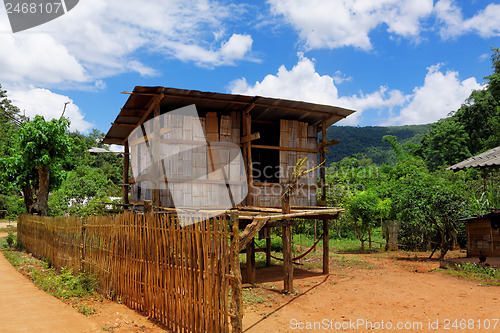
(483, 235)
(483, 231)
(273, 135)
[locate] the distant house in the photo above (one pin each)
(483, 231)
(483, 235)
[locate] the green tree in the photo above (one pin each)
(35, 165)
(494, 79)
(480, 118)
(428, 206)
(446, 144)
(363, 208)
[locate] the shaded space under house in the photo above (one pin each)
(273, 135)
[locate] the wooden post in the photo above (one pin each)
(126, 165)
(287, 258)
(492, 244)
(467, 231)
(251, 262)
(156, 170)
(322, 169)
(247, 153)
(326, 248)
(268, 251)
(315, 233)
(237, 294)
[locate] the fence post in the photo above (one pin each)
(237, 292)
(83, 245)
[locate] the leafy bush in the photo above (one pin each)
(276, 244)
(11, 239)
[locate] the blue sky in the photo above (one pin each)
(394, 62)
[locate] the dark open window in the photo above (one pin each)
(266, 161)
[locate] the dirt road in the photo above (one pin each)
(381, 295)
(25, 308)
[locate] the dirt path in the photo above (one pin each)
(384, 291)
(45, 313)
(25, 308)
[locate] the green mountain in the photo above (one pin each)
(367, 141)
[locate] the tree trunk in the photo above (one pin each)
(370, 238)
(28, 198)
(42, 200)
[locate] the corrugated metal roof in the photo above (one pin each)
(488, 158)
(264, 108)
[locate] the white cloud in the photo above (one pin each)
(116, 148)
(485, 22)
(303, 83)
(38, 58)
(440, 94)
(98, 39)
(234, 49)
(338, 23)
(49, 105)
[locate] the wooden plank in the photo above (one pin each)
(154, 101)
(250, 268)
(212, 126)
(150, 136)
(287, 259)
(328, 143)
(322, 159)
(252, 137)
(250, 231)
(326, 248)
(247, 154)
(284, 140)
(293, 149)
(126, 167)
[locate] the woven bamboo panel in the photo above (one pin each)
(295, 134)
(187, 277)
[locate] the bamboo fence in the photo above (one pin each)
(186, 277)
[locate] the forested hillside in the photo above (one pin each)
(367, 141)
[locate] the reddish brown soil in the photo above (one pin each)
(395, 288)
(25, 308)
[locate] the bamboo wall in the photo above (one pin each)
(181, 276)
(195, 175)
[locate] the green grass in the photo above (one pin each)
(303, 242)
(342, 245)
(254, 296)
(64, 284)
(488, 276)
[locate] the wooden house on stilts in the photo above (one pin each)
(273, 135)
